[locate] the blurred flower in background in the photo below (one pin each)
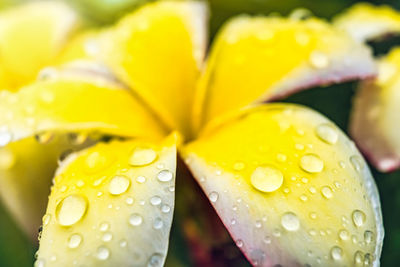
(198, 238)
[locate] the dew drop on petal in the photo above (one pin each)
(368, 236)
(135, 219)
(155, 200)
(165, 208)
(104, 226)
(266, 179)
(142, 156)
(71, 210)
(356, 162)
(155, 260)
(358, 218)
(344, 235)
(213, 196)
(326, 191)
(141, 179)
(290, 221)
(327, 133)
(119, 184)
(319, 60)
(158, 223)
(74, 240)
(103, 253)
(165, 176)
(336, 253)
(311, 163)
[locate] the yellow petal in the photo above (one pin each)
(103, 211)
(158, 51)
(26, 169)
(264, 58)
(376, 113)
(73, 101)
(365, 21)
(298, 191)
(31, 36)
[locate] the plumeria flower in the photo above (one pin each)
(119, 104)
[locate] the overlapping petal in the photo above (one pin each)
(31, 36)
(290, 187)
(111, 205)
(366, 22)
(264, 58)
(376, 112)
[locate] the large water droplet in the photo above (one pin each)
(326, 191)
(119, 184)
(267, 179)
(358, 218)
(336, 253)
(71, 210)
(135, 219)
(290, 221)
(327, 133)
(103, 253)
(311, 163)
(74, 240)
(142, 156)
(213, 196)
(165, 176)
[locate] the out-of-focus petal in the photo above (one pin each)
(366, 22)
(264, 58)
(376, 115)
(290, 187)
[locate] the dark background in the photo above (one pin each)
(333, 101)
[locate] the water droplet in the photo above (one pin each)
(327, 133)
(74, 240)
(267, 240)
(46, 219)
(319, 60)
(213, 196)
(103, 253)
(303, 198)
(165, 208)
(267, 179)
(142, 156)
(368, 236)
(71, 210)
(155, 200)
(135, 219)
(104, 226)
(107, 237)
(155, 260)
(281, 157)
(258, 224)
(326, 191)
(356, 162)
(165, 176)
(141, 179)
(313, 215)
(358, 258)
(119, 184)
(344, 234)
(239, 243)
(336, 253)
(367, 259)
(44, 138)
(358, 218)
(123, 243)
(129, 201)
(238, 166)
(7, 159)
(158, 223)
(290, 221)
(5, 138)
(311, 163)
(40, 263)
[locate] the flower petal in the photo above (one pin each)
(106, 209)
(73, 101)
(31, 35)
(265, 58)
(26, 169)
(290, 187)
(375, 115)
(365, 21)
(158, 51)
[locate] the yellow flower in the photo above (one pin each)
(288, 184)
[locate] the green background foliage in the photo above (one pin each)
(17, 251)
